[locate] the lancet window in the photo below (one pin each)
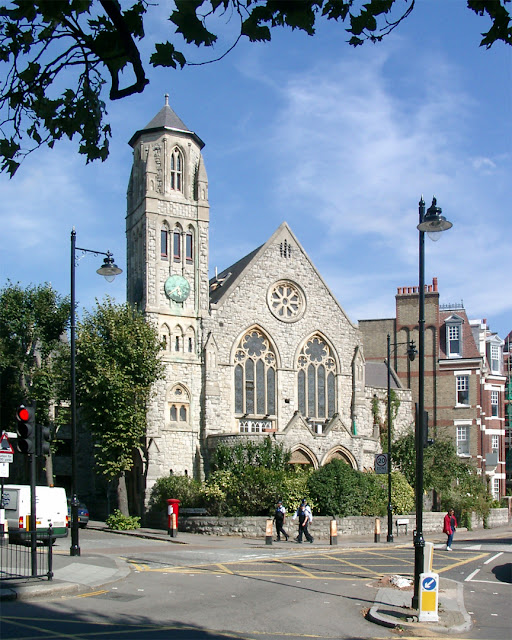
(255, 376)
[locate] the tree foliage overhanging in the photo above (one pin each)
(57, 57)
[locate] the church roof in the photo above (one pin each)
(166, 119)
(223, 283)
(218, 283)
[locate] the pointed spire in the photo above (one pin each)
(166, 119)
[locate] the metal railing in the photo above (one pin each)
(29, 557)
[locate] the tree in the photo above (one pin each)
(32, 323)
(117, 363)
(58, 56)
(455, 479)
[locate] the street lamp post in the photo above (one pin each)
(411, 352)
(109, 270)
(433, 223)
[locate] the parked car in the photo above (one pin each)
(83, 514)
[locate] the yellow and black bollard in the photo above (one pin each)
(333, 530)
(377, 530)
(268, 532)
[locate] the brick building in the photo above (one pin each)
(464, 375)
(507, 366)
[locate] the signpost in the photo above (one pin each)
(429, 588)
(381, 463)
(6, 457)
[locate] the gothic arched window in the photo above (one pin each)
(164, 242)
(176, 244)
(176, 170)
(179, 404)
(189, 246)
(255, 375)
(316, 379)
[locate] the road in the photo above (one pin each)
(286, 591)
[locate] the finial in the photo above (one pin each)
(166, 99)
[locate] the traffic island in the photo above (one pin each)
(392, 608)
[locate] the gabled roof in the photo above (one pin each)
(224, 282)
(221, 283)
(166, 119)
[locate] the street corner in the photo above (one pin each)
(43, 589)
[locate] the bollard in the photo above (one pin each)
(429, 598)
(333, 528)
(377, 530)
(428, 557)
(268, 532)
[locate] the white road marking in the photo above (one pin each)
(494, 557)
(471, 575)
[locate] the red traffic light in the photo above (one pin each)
(26, 428)
(23, 414)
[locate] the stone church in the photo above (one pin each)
(262, 349)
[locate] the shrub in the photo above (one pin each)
(120, 522)
(337, 489)
(251, 491)
(267, 454)
(185, 489)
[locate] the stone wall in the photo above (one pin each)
(254, 527)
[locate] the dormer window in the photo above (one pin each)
(494, 356)
(454, 337)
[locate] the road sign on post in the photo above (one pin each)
(429, 589)
(6, 450)
(381, 463)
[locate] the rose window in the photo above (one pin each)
(286, 301)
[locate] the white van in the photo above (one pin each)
(51, 508)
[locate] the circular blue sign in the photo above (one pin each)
(429, 584)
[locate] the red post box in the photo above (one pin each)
(173, 510)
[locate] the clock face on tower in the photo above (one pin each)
(177, 288)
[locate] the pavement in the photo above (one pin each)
(392, 605)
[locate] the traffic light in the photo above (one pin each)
(44, 437)
(26, 428)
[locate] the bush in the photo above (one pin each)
(338, 490)
(185, 489)
(251, 491)
(120, 522)
(267, 454)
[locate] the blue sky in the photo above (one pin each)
(339, 142)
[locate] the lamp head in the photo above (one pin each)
(433, 223)
(109, 270)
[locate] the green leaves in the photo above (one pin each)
(166, 56)
(117, 363)
(59, 56)
(32, 321)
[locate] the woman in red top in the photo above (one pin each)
(450, 524)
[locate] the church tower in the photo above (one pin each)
(167, 278)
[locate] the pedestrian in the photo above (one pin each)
(303, 525)
(450, 525)
(307, 508)
(279, 518)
